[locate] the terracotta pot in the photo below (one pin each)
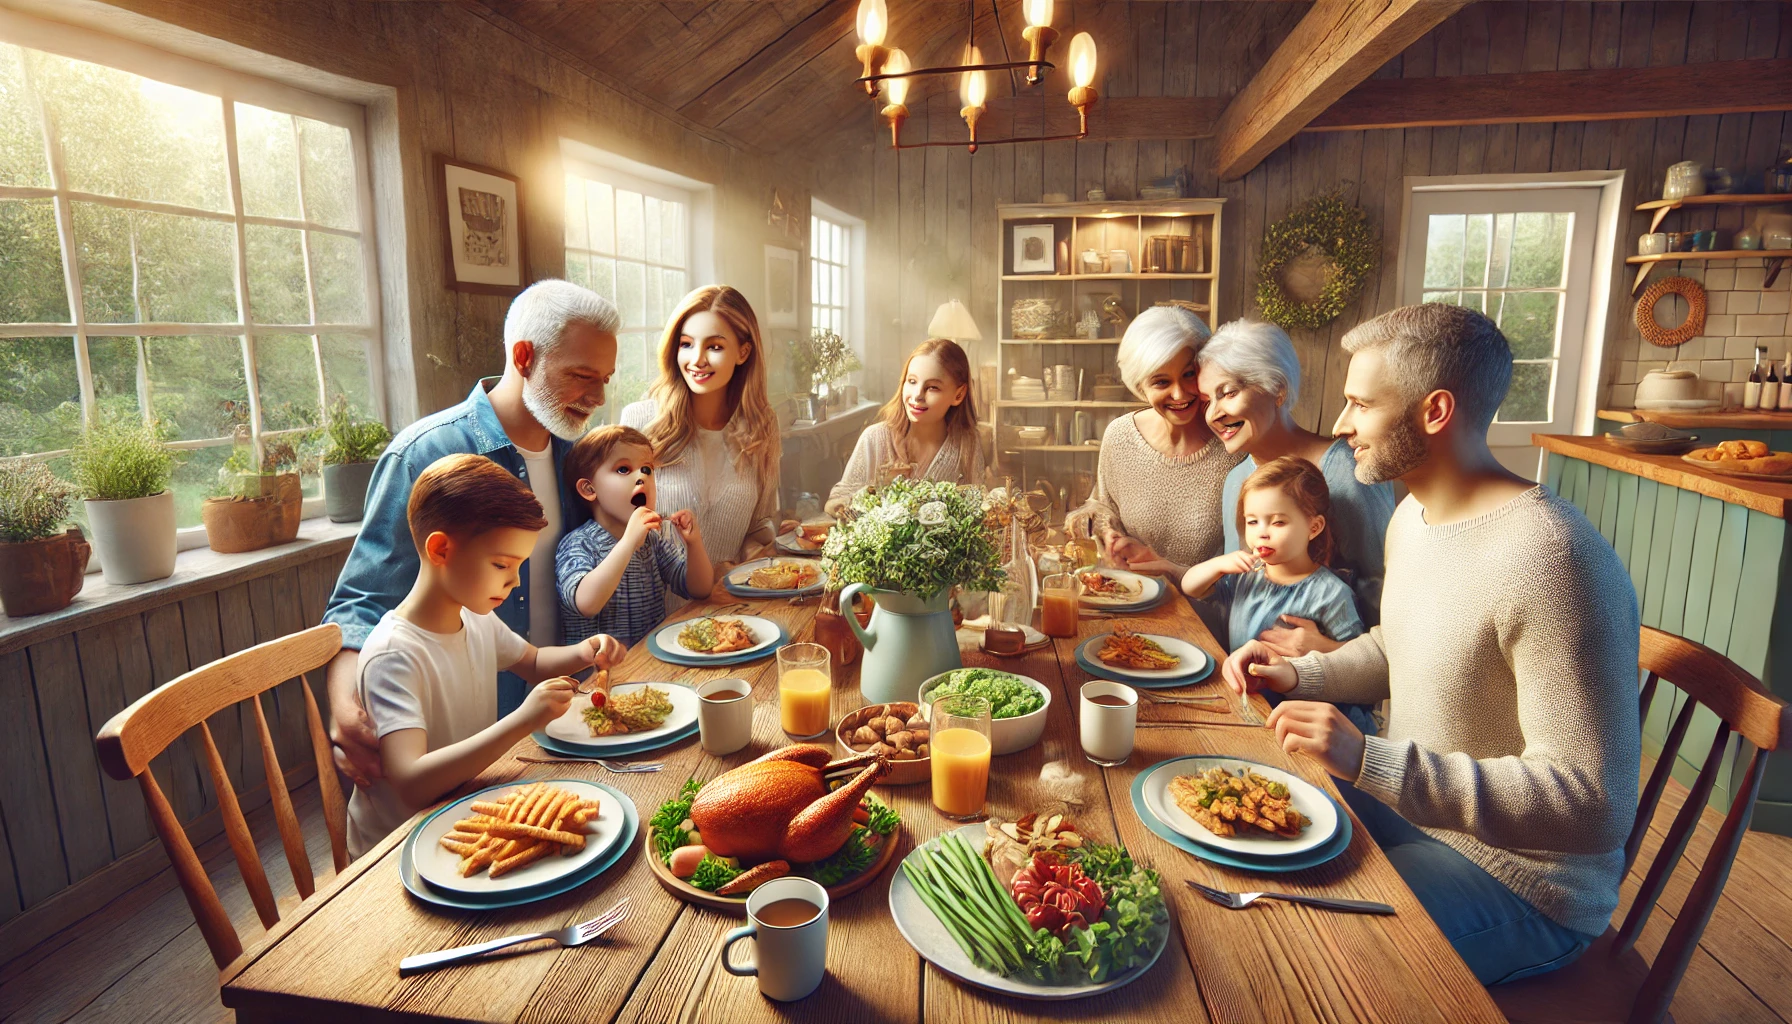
(39, 576)
(249, 524)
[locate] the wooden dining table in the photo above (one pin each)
(336, 958)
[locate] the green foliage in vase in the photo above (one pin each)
(349, 439)
(823, 359)
(33, 503)
(918, 537)
(116, 460)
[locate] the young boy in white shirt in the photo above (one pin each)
(428, 672)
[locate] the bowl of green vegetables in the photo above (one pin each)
(1017, 703)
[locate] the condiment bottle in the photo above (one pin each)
(1770, 389)
(1786, 385)
(1751, 391)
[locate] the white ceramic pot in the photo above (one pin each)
(134, 538)
(1670, 385)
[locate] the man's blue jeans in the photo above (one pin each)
(1501, 937)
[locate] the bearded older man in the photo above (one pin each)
(560, 352)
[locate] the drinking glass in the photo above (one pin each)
(805, 689)
(1058, 594)
(959, 733)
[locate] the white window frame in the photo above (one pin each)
(697, 197)
(855, 269)
(230, 87)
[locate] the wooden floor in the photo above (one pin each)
(141, 959)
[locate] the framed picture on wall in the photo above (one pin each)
(781, 266)
(1035, 248)
(483, 225)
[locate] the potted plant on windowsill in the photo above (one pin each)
(256, 503)
(41, 570)
(351, 445)
(821, 361)
(123, 471)
(907, 544)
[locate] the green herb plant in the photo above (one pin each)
(118, 460)
(33, 503)
(350, 439)
(823, 358)
(915, 536)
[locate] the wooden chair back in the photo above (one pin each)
(1609, 981)
(139, 733)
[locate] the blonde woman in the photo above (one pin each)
(711, 425)
(930, 423)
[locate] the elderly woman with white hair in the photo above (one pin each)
(1159, 478)
(1249, 381)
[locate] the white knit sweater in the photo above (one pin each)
(1508, 650)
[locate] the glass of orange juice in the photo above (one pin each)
(1058, 594)
(805, 689)
(959, 727)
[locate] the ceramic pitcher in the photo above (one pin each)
(908, 640)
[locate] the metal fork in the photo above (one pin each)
(1241, 900)
(619, 767)
(1249, 713)
(571, 935)
(1212, 702)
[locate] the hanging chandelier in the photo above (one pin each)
(889, 70)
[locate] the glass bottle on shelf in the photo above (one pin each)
(1770, 388)
(1786, 385)
(1751, 391)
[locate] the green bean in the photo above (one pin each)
(974, 911)
(946, 894)
(924, 889)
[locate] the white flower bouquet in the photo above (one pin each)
(916, 537)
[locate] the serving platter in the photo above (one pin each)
(570, 728)
(737, 905)
(1726, 469)
(1306, 798)
(1196, 664)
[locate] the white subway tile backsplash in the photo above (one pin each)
(1623, 396)
(1776, 301)
(1720, 279)
(1732, 395)
(1739, 348)
(1717, 302)
(1761, 325)
(1627, 372)
(1715, 369)
(1742, 302)
(1720, 326)
(1750, 278)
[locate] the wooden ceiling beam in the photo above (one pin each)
(762, 72)
(1335, 47)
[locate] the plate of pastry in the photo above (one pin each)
(1742, 458)
(1117, 588)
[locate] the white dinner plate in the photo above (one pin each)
(1135, 589)
(1193, 663)
(571, 728)
(440, 866)
(740, 577)
(765, 633)
(1307, 799)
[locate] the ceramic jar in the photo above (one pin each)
(1685, 178)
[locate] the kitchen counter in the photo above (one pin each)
(1764, 495)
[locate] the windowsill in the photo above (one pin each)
(197, 571)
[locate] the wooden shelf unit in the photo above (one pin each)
(1663, 207)
(1775, 258)
(1102, 227)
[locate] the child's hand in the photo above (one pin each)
(548, 700)
(685, 522)
(641, 522)
(1233, 563)
(1255, 667)
(602, 650)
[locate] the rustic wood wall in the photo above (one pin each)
(934, 226)
(66, 821)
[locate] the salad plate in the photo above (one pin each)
(570, 728)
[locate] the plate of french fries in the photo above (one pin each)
(514, 837)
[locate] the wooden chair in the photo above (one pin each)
(140, 733)
(1610, 982)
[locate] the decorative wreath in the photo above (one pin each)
(1694, 324)
(1328, 226)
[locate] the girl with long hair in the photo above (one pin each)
(711, 425)
(929, 424)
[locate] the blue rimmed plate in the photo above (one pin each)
(420, 889)
(564, 749)
(762, 629)
(1339, 841)
(1181, 675)
(736, 580)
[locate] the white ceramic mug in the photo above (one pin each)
(1107, 729)
(790, 960)
(725, 725)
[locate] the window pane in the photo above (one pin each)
(1528, 319)
(276, 275)
(185, 266)
(656, 306)
(652, 229)
(125, 135)
(634, 370)
(348, 371)
(578, 268)
(672, 282)
(268, 160)
(1500, 259)
(286, 377)
(1454, 298)
(337, 275)
(631, 290)
(1528, 399)
(672, 233)
(21, 130)
(600, 210)
(32, 289)
(1443, 250)
(576, 235)
(815, 235)
(1474, 248)
(837, 290)
(190, 379)
(329, 165)
(40, 396)
(1476, 301)
(628, 225)
(195, 478)
(603, 277)
(1539, 250)
(114, 362)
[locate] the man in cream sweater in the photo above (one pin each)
(1505, 784)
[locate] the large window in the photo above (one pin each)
(181, 245)
(830, 276)
(629, 240)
